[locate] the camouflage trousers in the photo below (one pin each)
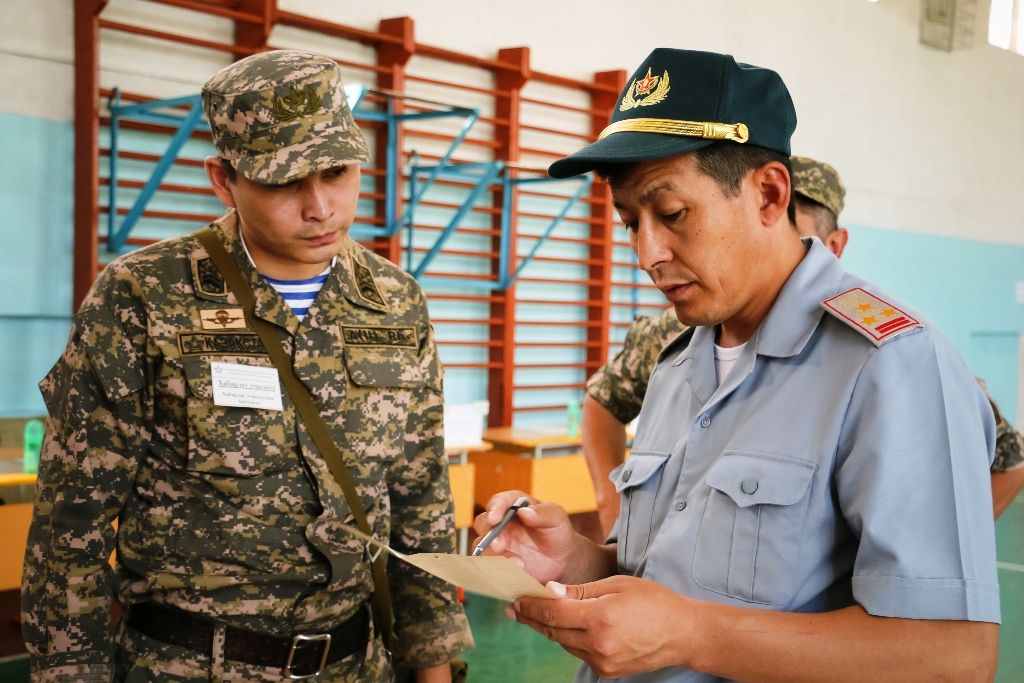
(141, 659)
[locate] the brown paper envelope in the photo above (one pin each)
(490, 575)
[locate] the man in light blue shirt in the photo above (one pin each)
(807, 497)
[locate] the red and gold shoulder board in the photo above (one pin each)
(874, 318)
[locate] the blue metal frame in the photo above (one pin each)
(148, 112)
(421, 178)
(392, 161)
(488, 172)
(584, 185)
(483, 174)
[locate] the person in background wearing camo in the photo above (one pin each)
(228, 546)
(616, 391)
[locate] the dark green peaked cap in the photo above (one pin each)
(679, 101)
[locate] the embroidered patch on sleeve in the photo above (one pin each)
(367, 287)
(207, 278)
(874, 318)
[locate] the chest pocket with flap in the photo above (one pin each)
(637, 480)
(230, 441)
(751, 529)
(383, 384)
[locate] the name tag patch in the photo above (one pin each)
(380, 336)
(245, 386)
(231, 343)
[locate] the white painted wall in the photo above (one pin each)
(927, 141)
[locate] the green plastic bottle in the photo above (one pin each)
(572, 418)
(32, 443)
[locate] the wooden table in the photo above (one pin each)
(534, 441)
(14, 521)
(548, 465)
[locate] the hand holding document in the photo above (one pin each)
(491, 575)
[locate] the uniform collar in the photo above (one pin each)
(268, 304)
(784, 332)
(797, 311)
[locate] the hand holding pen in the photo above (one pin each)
(520, 503)
(542, 540)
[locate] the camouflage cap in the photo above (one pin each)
(279, 116)
(819, 182)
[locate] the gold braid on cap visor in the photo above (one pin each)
(737, 132)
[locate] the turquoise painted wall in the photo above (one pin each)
(36, 243)
(964, 287)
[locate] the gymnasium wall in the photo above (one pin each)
(927, 142)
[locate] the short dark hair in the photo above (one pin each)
(825, 222)
(727, 163)
(229, 170)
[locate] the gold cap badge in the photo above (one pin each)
(645, 91)
(297, 103)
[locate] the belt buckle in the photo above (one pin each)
(323, 637)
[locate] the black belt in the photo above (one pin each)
(301, 655)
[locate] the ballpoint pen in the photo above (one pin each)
(520, 503)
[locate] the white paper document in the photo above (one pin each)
(464, 424)
(245, 386)
(490, 575)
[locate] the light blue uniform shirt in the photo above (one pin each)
(824, 471)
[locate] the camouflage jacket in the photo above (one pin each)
(231, 512)
(1009, 444)
(620, 385)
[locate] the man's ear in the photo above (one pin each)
(772, 182)
(219, 181)
(836, 241)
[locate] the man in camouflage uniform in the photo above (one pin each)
(228, 540)
(818, 195)
(616, 391)
(1008, 467)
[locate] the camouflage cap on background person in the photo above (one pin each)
(679, 101)
(819, 182)
(279, 116)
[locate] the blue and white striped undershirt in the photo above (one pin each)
(299, 294)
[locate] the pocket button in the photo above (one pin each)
(749, 486)
(681, 505)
